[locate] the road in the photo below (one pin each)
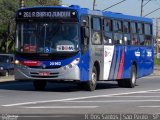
(64, 98)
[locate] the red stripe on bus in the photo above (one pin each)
(121, 66)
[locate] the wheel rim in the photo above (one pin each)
(133, 77)
(94, 78)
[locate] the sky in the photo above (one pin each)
(130, 7)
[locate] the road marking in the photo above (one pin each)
(78, 98)
(150, 106)
(113, 101)
(154, 92)
(136, 96)
(59, 107)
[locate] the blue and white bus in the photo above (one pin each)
(58, 43)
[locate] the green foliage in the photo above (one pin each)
(7, 19)
(43, 2)
(157, 61)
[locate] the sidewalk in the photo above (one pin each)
(11, 77)
(156, 70)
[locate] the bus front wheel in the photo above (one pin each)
(39, 85)
(91, 84)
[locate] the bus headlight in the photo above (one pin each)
(72, 64)
(16, 62)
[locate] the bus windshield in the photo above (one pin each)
(47, 37)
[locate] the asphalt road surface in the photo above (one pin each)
(67, 98)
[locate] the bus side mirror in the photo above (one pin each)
(85, 32)
(85, 35)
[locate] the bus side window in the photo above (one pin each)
(140, 33)
(108, 32)
(148, 34)
(96, 30)
(117, 29)
(126, 31)
(134, 36)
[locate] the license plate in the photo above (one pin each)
(44, 73)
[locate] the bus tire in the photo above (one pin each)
(132, 81)
(91, 84)
(39, 85)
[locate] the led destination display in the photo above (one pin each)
(46, 13)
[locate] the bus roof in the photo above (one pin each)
(108, 14)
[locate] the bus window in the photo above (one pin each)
(133, 28)
(96, 30)
(141, 39)
(148, 34)
(148, 29)
(117, 26)
(126, 27)
(107, 25)
(126, 31)
(108, 38)
(140, 28)
(134, 36)
(140, 33)
(118, 38)
(108, 32)
(127, 39)
(148, 40)
(96, 24)
(134, 39)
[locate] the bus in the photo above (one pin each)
(74, 44)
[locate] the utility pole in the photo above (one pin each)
(94, 4)
(142, 8)
(21, 3)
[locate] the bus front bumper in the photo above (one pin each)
(60, 74)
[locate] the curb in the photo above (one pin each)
(9, 79)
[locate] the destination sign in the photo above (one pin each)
(47, 14)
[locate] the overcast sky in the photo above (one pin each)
(130, 7)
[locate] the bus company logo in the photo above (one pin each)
(137, 54)
(107, 53)
(65, 48)
(149, 54)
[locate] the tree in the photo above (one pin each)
(7, 18)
